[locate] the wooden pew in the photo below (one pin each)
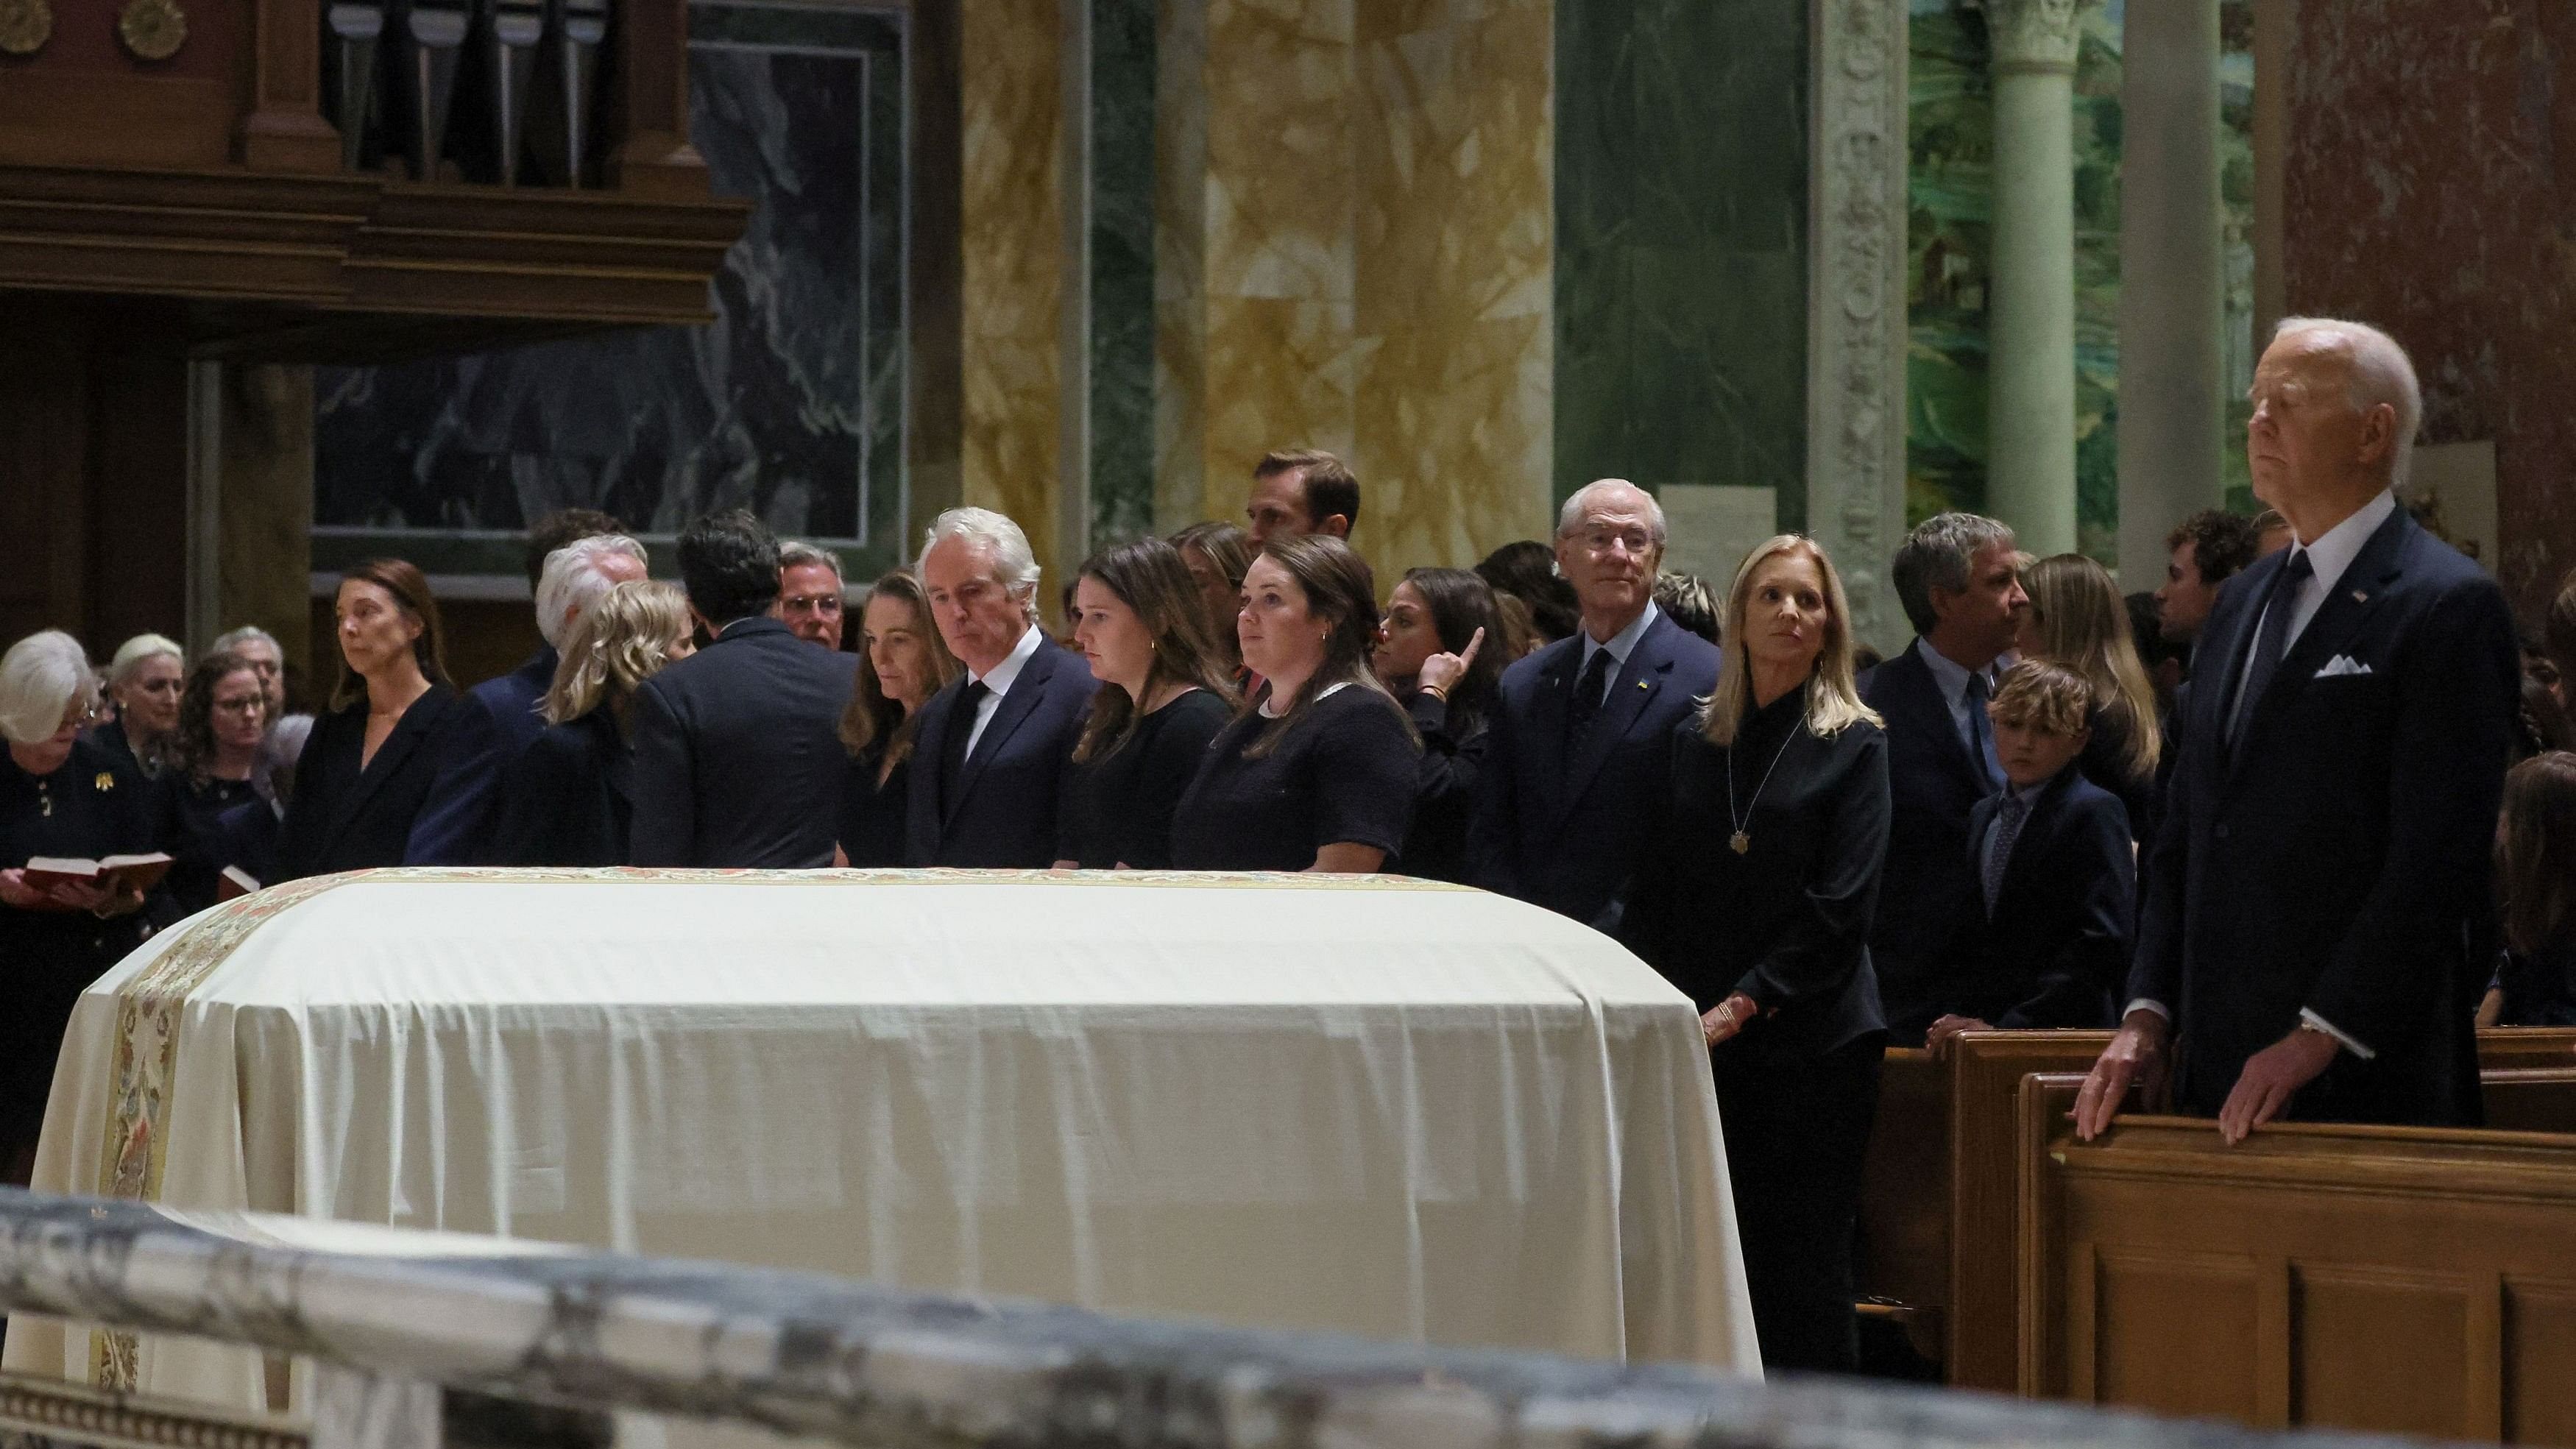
(2391, 1279)
(1960, 1204)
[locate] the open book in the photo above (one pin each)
(131, 873)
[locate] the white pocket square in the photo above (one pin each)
(2342, 665)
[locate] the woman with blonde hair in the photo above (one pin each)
(1756, 900)
(144, 682)
(2077, 618)
(902, 662)
(564, 801)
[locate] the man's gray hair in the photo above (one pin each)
(232, 639)
(42, 678)
(573, 581)
(1570, 517)
(1941, 553)
(1015, 566)
(2381, 373)
(795, 553)
(279, 749)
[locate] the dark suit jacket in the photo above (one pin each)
(564, 799)
(513, 698)
(2338, 857)
(249, 838)
(1565, 833)
(2055, 948)
(401, 809)
(1002, 813)
(737, 753)
(1928, 895)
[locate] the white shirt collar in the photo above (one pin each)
(1621, 644)
(999, 680)
(2337, 547)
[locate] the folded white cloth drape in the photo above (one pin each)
(1390, 1108)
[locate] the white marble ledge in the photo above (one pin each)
(829, 1358)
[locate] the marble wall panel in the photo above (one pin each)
(1180, 264)
(1453, 286)
(1010, 233)
(1121, 269)
(2430, 183)
(1680, 274)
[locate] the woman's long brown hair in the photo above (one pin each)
(410, 588)
(1149, 577)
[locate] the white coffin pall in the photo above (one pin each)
(1392, 1108)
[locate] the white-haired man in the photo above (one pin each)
(1579, 746)
(992, 744)
(2305, 935)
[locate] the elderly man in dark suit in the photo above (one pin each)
(737, 748)
(1958, 576)
(2325, 852)
(992, 745)
(1579, 745)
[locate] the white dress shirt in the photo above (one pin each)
(1952, 679)
(999, 682)
(2330, 558)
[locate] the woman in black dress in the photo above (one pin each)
(1138, 620)
(144, 682)
(2077, 618)
(903, 661)
(1756, 899)
(1319, 773)
(1439, 652)
(60, 795)
(2536, 880)
(398, 744)
(564, 798)
(223, 715)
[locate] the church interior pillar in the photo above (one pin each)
(2030, 481)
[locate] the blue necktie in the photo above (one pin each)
(2271, 639)
(1981, 735)
(2011, 813)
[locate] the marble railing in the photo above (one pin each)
(405, 1328)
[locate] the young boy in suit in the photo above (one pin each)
(2048, 942)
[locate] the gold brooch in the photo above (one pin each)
(153, 29)
(25, 26)
(105, 781)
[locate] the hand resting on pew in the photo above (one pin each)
(2137, 1057)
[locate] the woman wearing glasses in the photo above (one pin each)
(223, 712)
(60, 795)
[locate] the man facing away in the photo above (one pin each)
(992, 745)
(2304, 943)
(737, 748)
(1580, 742)
(1958, 576)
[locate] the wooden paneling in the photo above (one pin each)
(1986, 1069)
(1905, 1204)
(2408, 1280)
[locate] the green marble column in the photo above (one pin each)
(2030, 481)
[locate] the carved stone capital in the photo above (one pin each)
(2030, 35)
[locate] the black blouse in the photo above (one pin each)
(871, 814)
(191, 829)
(1117, 808)
(2105, 762)
(1785, 921)
(1444, 794)
(94, 805)
(1344, 774)
(563, 800)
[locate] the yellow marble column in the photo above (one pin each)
(1354, 251)
(1010, 231)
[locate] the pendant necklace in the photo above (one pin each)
(1742, 840)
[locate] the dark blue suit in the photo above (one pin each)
(470, 807)
(1562, 832)
(2337, 857)
(737, 757)
(1928, 894)
(513, 698)
(2054, 950)
(1001, 812)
